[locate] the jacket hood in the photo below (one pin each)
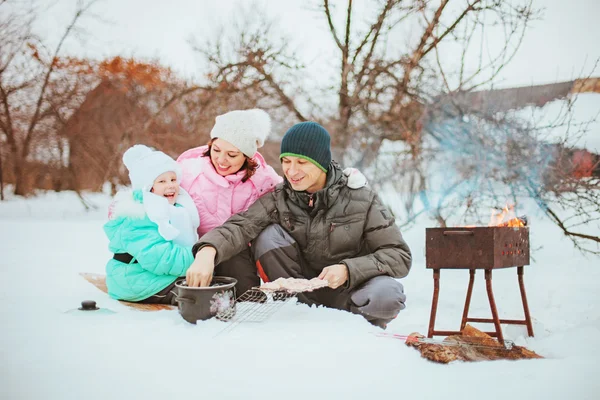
(127, 203)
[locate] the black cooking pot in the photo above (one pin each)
(201, 303)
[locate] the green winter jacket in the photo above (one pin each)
(160, 261)
(349, 226)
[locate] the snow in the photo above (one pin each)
(299, 353)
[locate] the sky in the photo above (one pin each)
(561, 46)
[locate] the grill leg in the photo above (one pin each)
(434, 302)
(524, 299)
(490, 293)
(468, 300)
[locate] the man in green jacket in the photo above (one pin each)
(314, 225)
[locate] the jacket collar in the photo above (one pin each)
(195, 163)
(324, 198)
(130, 203)
(224, 181)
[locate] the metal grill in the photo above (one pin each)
(486, 248)
(255, 305)
(477, 248)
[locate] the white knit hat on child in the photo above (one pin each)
(145, 165)
(245, 129)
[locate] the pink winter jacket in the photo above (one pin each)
(219, 197)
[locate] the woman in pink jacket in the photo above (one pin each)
(226, 176)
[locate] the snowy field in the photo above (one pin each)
(300, 353)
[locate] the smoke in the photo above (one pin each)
(478, 163)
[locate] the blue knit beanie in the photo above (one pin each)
(310, 141)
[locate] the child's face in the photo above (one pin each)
(166, 185)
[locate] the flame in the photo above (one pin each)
(505, 217)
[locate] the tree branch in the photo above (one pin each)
(8, 127)
(376, 27)
(452, 27)
(286, 100)
(35, 118)
(566, 230)
(331, 27)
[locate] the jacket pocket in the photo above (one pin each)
(296, 227)
(345, 237)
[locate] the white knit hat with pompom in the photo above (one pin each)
(145, 165)
(245, 129)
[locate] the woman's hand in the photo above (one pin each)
(335, 275)
(201, 271)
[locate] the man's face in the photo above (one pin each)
(303, 174)
(166, 185)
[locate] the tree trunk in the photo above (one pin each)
(1, 178)
(19, 177)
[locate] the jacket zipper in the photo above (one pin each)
(310, 204)
(307, 232)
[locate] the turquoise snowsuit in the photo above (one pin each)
(160, 261)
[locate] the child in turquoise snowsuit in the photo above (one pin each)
(151, 230)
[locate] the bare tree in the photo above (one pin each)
(15, 31)
(32, 89)
(253, 57)
(382, 88)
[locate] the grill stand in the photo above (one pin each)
(465, 317)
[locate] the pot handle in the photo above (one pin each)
(180, 299)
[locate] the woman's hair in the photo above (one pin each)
(250, 165)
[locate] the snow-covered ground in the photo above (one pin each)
(299, 353)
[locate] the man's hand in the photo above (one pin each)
(201, 271)
(336, 275)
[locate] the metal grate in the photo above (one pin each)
(255, 305)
